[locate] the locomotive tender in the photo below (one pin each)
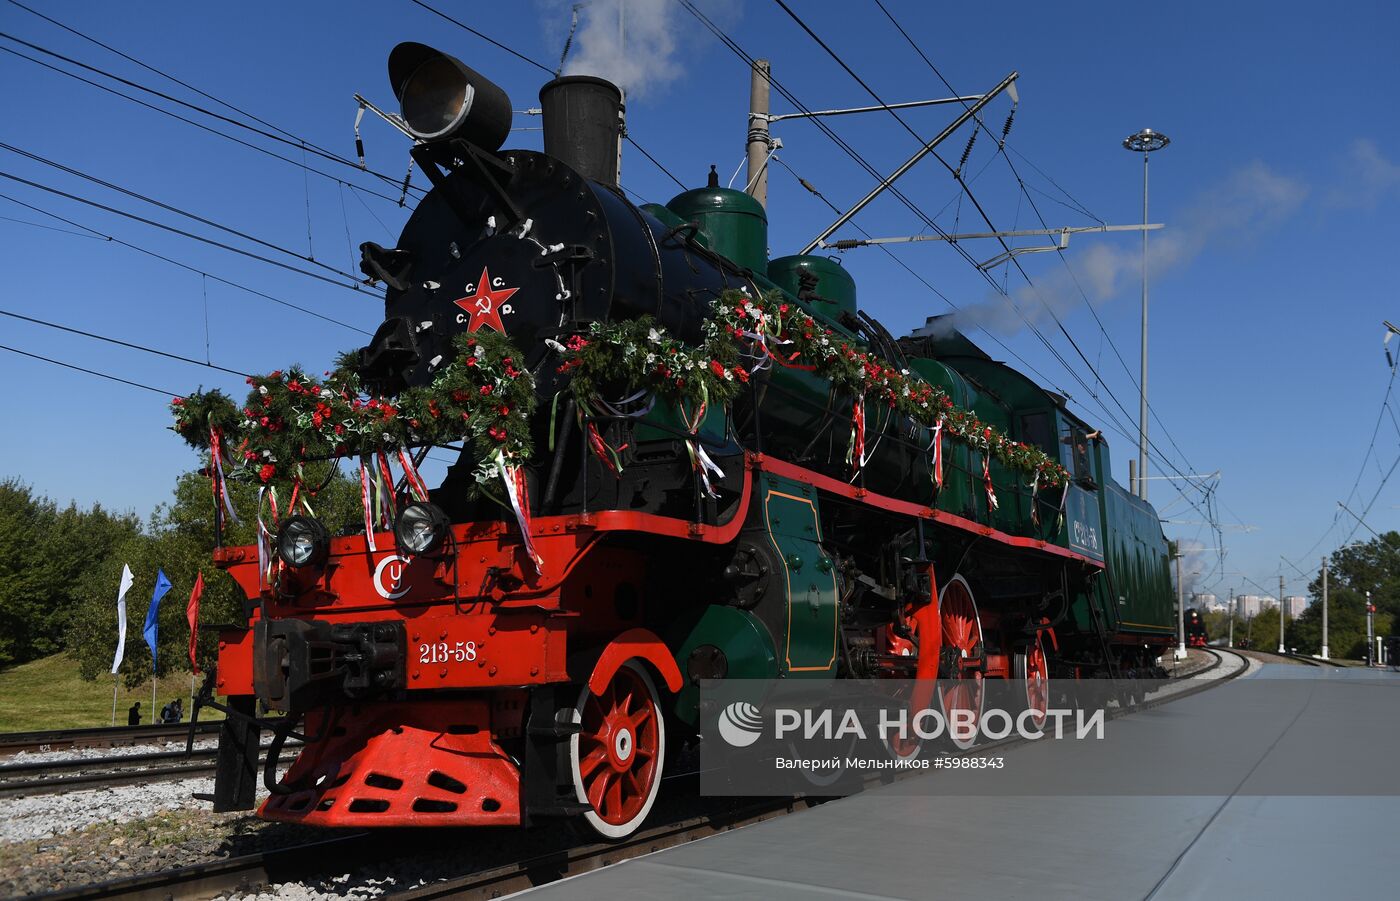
(445, 679)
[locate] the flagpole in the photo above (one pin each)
(153, 693)
(115, 679)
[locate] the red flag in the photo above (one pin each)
(192, 612)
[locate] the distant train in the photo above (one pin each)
(1196, 636)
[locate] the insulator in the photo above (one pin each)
(967, 152)
(1006, 129)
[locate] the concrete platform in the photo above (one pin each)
(1237, 843)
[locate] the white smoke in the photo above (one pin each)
(1196, 560)
(635, 44)
(1367, 179)
(1252, 199)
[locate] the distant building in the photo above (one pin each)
(1295, 605)
(1247, 605)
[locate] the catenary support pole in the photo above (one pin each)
(1326, 653)
(1370, 625)
(759, 139)
(1230, 612)
(1180, 610)
(1282, 613)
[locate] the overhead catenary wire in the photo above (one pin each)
(290, 142)
(165, 392)
(166, 75)
(856, 157)
(207, 128)
(74, 366)
(170, 208)
(170, 228)
(94, 233)
(985, 218)
(120, 343)
(1002, 150)
(485, 37)
(680, 184)
(827, 130)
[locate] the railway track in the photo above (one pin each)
(28, 779)
(99, 737)
(308, 862)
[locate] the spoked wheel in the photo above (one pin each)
(960, 690)
(1034, 670)
(617, 757)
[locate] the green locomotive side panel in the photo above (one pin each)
(739, 636)
(808, 644)
(957, 495)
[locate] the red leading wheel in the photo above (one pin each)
(1034, 669)
(616, 759)
(960, 688)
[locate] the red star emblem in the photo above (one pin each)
(484, 306)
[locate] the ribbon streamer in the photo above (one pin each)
(514, 479)
(1035, 488)
(415, 481)
(700, 461)
(365, 503)
(263, 550)
(601, 449)
(987, 470)
(221, 493)
(855, 451)
(938, 453)
(387, 511)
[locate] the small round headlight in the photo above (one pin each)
(302, 541)
(421, 528)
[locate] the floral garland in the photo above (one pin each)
(482, 396)
(291, 417)
(746, 334)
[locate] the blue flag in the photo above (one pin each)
(149, 630)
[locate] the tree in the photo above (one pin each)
(179, 539)
(44, 554)
(1372, 566)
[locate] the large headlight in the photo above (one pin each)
(440, 98)
(302, 541)
(421, 528)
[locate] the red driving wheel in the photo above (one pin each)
(960, 688)
(617, 757)
(1032, 666)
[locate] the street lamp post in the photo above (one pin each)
(1144, 142)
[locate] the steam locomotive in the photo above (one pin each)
(466, 673)
(1196, 635)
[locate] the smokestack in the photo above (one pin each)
(583, 121)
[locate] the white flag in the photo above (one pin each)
(127, 579)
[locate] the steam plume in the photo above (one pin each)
(1252, 198)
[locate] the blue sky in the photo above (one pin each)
(1272, 276)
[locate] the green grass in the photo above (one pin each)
(49, 694)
